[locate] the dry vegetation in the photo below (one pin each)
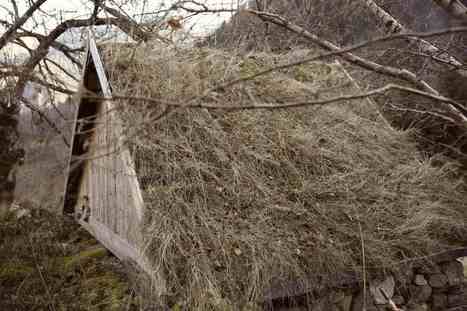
(241, 201)
(352, 23)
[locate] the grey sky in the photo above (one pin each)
(59, 10)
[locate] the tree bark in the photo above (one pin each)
(10, 155)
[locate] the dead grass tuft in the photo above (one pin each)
(238, 201)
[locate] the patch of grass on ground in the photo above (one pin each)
(47, 262)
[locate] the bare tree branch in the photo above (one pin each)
(392, 25)
(33, 78)
(15, 9)
(200, 104)
(126, 24)
(49, 122)
(67, 51)
(43, 48)
(203, 8)
(6, 37)
(403, 74)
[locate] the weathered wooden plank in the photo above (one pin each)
(125, 251)
(105, 86)
(116, 244)
(109, 180)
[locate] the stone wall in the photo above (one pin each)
(433, 287)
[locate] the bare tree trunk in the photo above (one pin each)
(10, 155)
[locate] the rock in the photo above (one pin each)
(456, 300)
(418, 307)
(454, 272)
(336, 296)
(428, 269)
(357, 303)
(398, 300)
(420, 294)
(404, 275)
(439, 302)
(420, 280)
(438, 280)
(456, 290)
(387, 285)
(320, 305)
(21, 213)
(345, 303)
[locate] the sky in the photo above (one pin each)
(59, 10)
(62, 9)
(55, 11)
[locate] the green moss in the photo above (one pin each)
(104, 292)
(249, 67)
(176, 307)
(312, 72)
(303, 74)
(15, 271)
(84, 257)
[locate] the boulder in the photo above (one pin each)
(456, 300)
(421, 293)
(439, 302)
(398, 300)
(454, 272)
(438, 280)
(420, 280)
(345, 304)
(387, 286)
(358, 304)
(418, 307)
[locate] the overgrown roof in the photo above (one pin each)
(237, 201)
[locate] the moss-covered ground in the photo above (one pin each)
(47, 262)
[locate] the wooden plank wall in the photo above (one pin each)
(109, 196)
(112, 195)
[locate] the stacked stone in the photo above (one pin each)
(438, 287)
(434, 288)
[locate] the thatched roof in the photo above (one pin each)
(239, 200)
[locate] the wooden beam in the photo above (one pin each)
(124, 251)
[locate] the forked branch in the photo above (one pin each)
(456, 115)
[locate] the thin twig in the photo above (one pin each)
(403, 74)
(44, 283)
(363, 264)
(273, 106)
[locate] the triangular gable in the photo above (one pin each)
(111, 188)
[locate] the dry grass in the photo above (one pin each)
(237, 201)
